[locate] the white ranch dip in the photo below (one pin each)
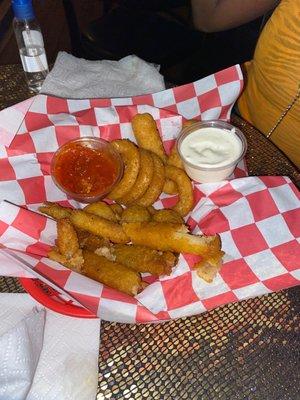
(210, 154)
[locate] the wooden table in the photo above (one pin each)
(247, 350)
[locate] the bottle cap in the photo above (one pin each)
(23, 9)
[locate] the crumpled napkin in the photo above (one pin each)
(45, 355)
(20, 349)
(77, 78)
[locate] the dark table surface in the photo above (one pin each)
(247, 350)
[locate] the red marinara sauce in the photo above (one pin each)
(87, 168)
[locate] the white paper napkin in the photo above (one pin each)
(76, 78)
(45, 355)
(20, 349)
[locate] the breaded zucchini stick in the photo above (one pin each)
(55, 210)
(101, 209)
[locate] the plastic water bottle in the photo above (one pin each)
(30, 43)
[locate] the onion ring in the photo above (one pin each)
(170, 187)
(131, 158)
(156, 185)
(143, 180)
(174, 158)
(186, 196)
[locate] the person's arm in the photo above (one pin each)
(219, 15)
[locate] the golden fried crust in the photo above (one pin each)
(147, 135)
(112, 274)
(156, 185)
(171, 237)
(208, 268)
(131, 158)
(143, 180)
(89, 241)
(135, 213)
(186, 194)
(67, 241)
(101, 209)
(174, 158)
(75, 263)
(54, 255)
(99, 226)
(167, 215)
(170, 187)
(117, 209)
(151, 210)
(55, 210)
(143, 259)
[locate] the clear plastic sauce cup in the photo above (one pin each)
(210, 150)
(86, 169)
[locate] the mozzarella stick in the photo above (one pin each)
(99, 226)
(67, 243)
(112, 274)
(208, 268)
(147, 135)
(171, 237)
(140, 258)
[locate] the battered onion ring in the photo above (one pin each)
(170, 187)
(174, 158)
(147, 135)
(156, 185)
(186, 197)
(143, 180)
(131, 157)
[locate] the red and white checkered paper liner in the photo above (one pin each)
(256, 217)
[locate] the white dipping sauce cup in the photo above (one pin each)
(210, 161)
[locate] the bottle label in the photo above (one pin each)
(33, 38)
(34, 63)
(33, 55)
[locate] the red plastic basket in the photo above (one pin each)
(51, 299)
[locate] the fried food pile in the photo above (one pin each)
(114, 245)
(149, 171)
